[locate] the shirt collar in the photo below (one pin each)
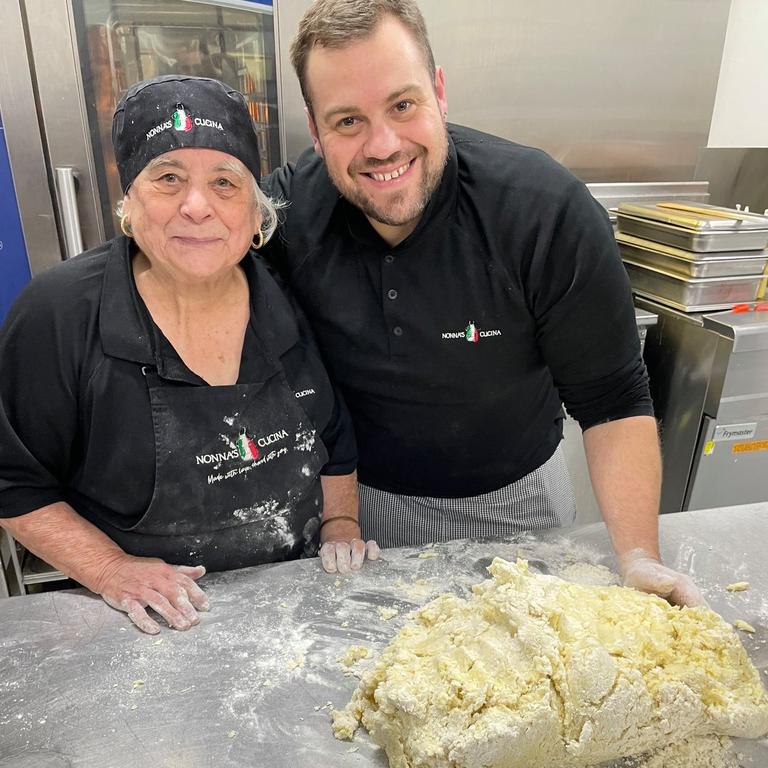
(128, 332)
(124, 326)
(127, 329)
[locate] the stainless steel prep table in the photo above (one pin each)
(251, 685)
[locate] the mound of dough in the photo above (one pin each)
(535, 672)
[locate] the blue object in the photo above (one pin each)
(14, 264)
(246, 3)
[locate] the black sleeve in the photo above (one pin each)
(581, 299)
(338, 433)
(290, 335)
(38, 402)
(339, 440)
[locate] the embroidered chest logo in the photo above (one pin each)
(471, 333)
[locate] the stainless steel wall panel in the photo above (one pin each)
(736, 176)
(25, 144)
(615, 90)
(611, 194)
(294, 136)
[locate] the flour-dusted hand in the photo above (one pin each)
(342, 548)
(648, 574)
(345, 556)
(133, 584)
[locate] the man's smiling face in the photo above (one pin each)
(378, 121)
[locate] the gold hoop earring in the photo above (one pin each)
(125, 226)
(258, 245)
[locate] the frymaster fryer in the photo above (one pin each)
(709, 382)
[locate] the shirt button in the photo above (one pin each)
(389, 258)
(397, 330)
(392, 293)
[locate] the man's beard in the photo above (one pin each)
(390, 215)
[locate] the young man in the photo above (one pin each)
(461, 288)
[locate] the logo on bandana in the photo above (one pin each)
(183, 123)
(181, 120)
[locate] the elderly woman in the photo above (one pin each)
(163, 409)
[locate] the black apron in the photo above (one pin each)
(236, 475)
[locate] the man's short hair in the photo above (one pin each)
(338, 23)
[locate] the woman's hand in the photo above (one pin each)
(133, 584)
(58, 535)
(342, 549)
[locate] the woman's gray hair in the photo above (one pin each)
(268, 207)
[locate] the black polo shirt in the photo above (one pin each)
(455, 348)
(75, 417)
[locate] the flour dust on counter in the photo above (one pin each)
(535, 672)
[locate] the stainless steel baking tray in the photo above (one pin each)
(691, 294)
(696, 216)
(688, 263)
(691, 239)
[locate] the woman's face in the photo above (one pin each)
(193, 213)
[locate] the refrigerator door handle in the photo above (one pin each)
(66, 187)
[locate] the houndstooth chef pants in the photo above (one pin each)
(541, 499)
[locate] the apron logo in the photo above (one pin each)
(217, 458)
(246, 448)
(471, 333)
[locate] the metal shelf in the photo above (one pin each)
(36, 571)
(20, 568)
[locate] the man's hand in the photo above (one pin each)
(132, 584)
(342, 549)
(647, 574)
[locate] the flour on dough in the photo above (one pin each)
(535, 672)
(586, 573)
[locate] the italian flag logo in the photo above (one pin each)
(181, 120)
(470, 333)
(246, 447)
